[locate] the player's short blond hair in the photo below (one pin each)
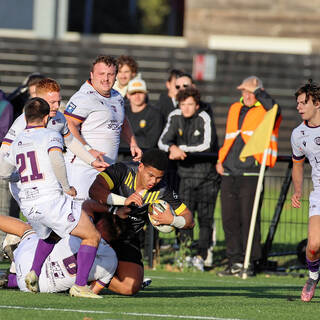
(47, 85)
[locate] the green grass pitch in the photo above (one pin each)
(174, 295)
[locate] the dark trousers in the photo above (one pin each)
(237, 198)
(199, 195)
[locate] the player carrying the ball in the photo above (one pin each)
(129, 191)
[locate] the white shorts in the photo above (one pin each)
(314, 203)
(59, 270)
(60, 215)
(81, 178)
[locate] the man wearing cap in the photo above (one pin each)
(145, 119)
(239, 179)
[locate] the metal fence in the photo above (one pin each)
(282, 226)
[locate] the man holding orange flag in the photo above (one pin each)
(239, 181)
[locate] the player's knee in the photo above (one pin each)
(313, 248)
(132, 289)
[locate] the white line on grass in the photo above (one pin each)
(121, 313)
(234, 280)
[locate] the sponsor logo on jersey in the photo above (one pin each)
(142, 123)
(317, 141)
(56, 139)
(180, 132)
(71, 218)
(12, 132)
(175, 195)
(70, 107)
(113, 125)
(114, 108)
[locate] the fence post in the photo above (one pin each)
(276, 217)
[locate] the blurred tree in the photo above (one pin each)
(154, 14)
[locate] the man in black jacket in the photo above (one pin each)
(191, 129)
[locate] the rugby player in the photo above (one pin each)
(129, 192)
(305, 142)
(59, 269)
(46, 196)
(95, 116)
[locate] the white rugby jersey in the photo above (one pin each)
(59, 269)
(29, 154)
(57, 123)
(101, 119)
(305, 142)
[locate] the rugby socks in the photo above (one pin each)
(44, 248)
(12, 281)
(85, 259)
(313, 267)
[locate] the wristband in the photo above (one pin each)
(116, 200)
(87, 147)
(178, 222)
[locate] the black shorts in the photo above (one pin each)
(128, 250)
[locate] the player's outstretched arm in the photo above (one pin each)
(297, 180)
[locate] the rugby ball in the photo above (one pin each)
(160, 206)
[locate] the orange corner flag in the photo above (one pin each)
(260, 139)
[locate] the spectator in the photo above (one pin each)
(190, 129)
(19, 96)
(127, 70)
(146, 120)
(95, 116)
(6, 118)
(239, 179)
(167, 100)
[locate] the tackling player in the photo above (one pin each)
(43, 202)
(305, 142)
(130, 191)
(95, 116)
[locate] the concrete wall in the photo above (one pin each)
(281, 18)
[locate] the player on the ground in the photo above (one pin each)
(37, 155)
(59, 269)
(305, 142)
(130, 191)
(95, 116)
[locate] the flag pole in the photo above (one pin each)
(254, 215)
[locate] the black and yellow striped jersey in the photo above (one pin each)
(122, 181)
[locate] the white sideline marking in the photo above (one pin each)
(234, 280)
(121, 313)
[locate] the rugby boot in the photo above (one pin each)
(83, 292)
(309, 289)
(32, 281)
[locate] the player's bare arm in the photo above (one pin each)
(134, 198)
(297, 179)
(128, 136)
(99, 190)
(74, 127)
(166, 217)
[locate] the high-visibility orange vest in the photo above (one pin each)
(250, 122)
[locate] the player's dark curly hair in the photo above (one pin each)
(311, 89)
(129, 61)
(36, 109)
(188, 92)
(155, 158)
(108, 60)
